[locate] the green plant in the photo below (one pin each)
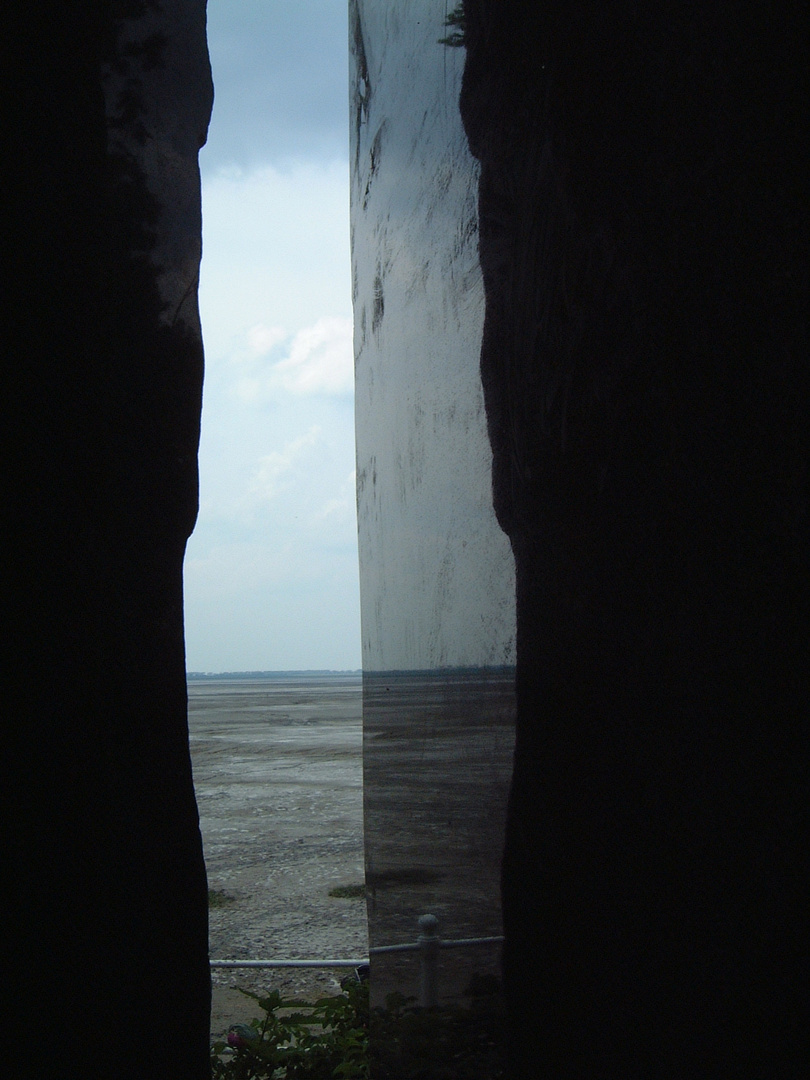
(298, 1041)
(348, 892)
(337, 1038)
(219, 898)
(457, 20)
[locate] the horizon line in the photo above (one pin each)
(346, 671)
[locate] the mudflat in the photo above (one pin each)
(279, 770)
(278, 773)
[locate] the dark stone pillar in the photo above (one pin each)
(104, 896)
(644, 362)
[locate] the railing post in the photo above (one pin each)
(428, 942)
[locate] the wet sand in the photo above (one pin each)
(279, 768)
(278, 774)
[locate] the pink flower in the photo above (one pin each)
(239, 1035)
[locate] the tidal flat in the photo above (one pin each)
(279, 772)
(279, 779)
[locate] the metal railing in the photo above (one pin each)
(287, 963)
(428, 944)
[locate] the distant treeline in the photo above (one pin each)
(494, 669)
(196, 675)
(461, 669)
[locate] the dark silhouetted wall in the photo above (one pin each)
(642, 230)
(105, 913)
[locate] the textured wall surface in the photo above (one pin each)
(436, 573)
(642, 230)
(105, 912)
(643, 244)
(161, 69)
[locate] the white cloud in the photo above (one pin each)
(266, 481)
(320, 360)
(249, 389)
(343, 506)
(275, 251)
(334, 506)
(269, 583)
(262, 339)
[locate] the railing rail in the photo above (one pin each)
(287, 963)
(427, 944)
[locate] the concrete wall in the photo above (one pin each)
(436, 573)
(642, 228)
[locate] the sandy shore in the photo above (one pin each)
(278, 774)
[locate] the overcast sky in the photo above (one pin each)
(271, 574)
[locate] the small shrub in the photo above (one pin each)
(219, 898)
(348, 892)
(298, 1041)
(456, 22)
(336, 1037)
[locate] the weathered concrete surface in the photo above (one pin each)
(643, 232)
(437, 757)
(436, 573)
(104, 896)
